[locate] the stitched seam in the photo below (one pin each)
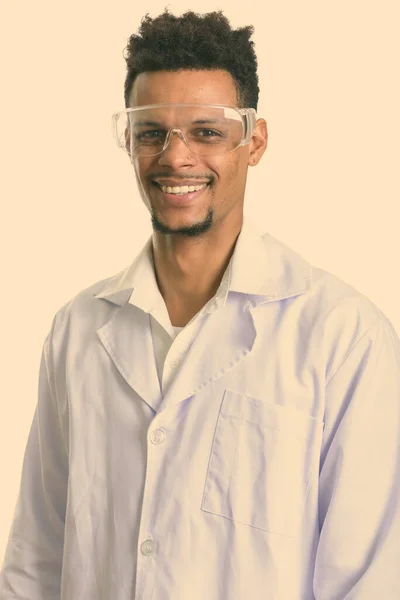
(349, 352)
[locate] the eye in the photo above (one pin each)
(148, 134)
(210, 131)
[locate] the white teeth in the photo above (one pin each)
(182, 189)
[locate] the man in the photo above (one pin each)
(220, 420)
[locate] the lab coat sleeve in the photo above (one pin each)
(32, 564)
(358, 553)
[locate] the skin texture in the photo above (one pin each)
(192, 245)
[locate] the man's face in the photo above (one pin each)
(227, 173)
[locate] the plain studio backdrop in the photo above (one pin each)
(71, 214)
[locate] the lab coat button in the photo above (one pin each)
(147, 547)
(157, 436)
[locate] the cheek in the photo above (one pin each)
(235, 171)
(141, 168)
(227, 169)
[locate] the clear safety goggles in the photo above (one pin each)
(206, 129)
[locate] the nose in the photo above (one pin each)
(175, 141)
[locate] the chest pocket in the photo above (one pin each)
(263, 460)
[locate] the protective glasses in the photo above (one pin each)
(206, 129)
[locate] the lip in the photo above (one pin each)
(180, 200)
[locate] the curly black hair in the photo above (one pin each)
(194, 42)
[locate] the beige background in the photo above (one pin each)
(328, 184)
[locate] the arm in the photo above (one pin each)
(358, 555)
(33, 560)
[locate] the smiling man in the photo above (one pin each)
(221, 419)
(195, 234)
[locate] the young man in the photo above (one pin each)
(221, 419)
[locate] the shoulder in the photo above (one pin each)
(85, 312)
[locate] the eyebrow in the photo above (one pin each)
(197, 122)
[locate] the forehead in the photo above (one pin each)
(184, 87)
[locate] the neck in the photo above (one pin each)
(189, 270)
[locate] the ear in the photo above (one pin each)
(258, 142)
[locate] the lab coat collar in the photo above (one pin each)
(261, 265)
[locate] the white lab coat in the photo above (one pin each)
(263, 463)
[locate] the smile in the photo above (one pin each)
(178, 198)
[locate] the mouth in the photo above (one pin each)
(180, 199)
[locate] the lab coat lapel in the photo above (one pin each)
(224, 338)
(127, 339)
